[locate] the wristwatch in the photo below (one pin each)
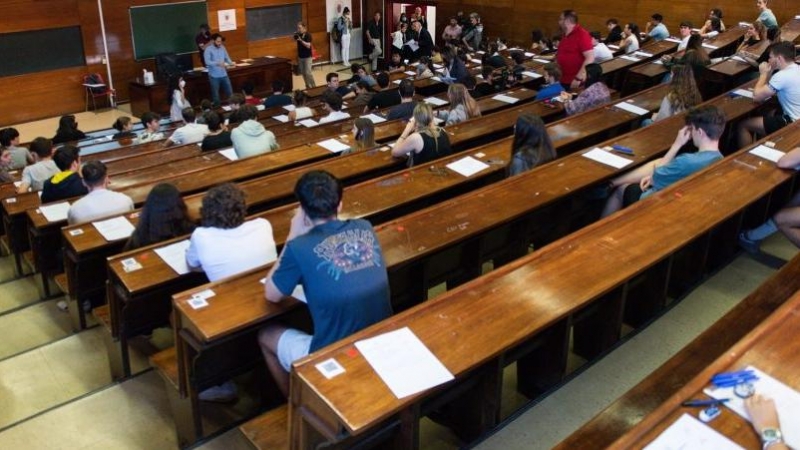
(770, 436)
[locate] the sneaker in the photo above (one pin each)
(224, 393)
(62, 305)
(749, 245)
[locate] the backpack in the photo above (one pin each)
(336, 32)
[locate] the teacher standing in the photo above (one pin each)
(217, 59)
(303, 38)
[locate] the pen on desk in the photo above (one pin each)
(705, 402)
(621, 149)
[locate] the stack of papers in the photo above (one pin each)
(410, 72)
(467, 166)
(333, 145)
(607, 158)
(175, 256)
(476, 61)
(712, 47)
(529, 54)
(56, 212)
(630, 107)
(114, 229)
(672, 39)
(643, 54)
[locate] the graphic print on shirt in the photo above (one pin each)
(347, 252)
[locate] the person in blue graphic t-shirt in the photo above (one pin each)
(340, 267)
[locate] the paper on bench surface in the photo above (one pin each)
(743, 93)
(712, 47)
(56, 212)
(505, 98)
(767, 153)
(643, 54)
(397, 81)
(607, 158)
(175, 256)
(435, 101)
(308, 123)
(787, 401)
(281, 118)
(630, 58)
(374, 118)
(476, 61)
(467, 166)
(410, 73)
(333, 145)
(528, 73)
(289, 107)
(672, 39)
(114, 229)
(545, 61)
(403, 362)
(229, 153)
(630, 107)
(529, 54)
(689, 433)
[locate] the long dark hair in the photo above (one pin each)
(531, 143)
(67, 124)
(163, 217)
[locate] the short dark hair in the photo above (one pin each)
(248, 87)
(612, 21)
(594, 73)
(299, 97)
(94, 173)
(382, 79)
(237, 99)
(188, 114)
(277, 86)
(65, 156)
(596, 35)
(319, 194)
(716, 12)
(784, 49)
(657, 17)
(470, 82)
(362, 85)
(213, 120)
(331, 76)
(686, 24)
(223, 207)
(148, 117)
(7, 135)
(710, 119)
(217, 35)
(42, 146)
(333, 100)
(553, 69)
(355, 67)
(406, 88)
(248, 112)
(518, 57)
(570, 14)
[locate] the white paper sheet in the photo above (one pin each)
(114, 229)
(374, 118)
(643, 54)
(607, 158)
(435, 78)
(544, 61)
(787, 402)
(767, 153)
(261, 107)
(56, 212)
(281, 118)
(659, 62)
(744, 93)
(175, 256)
(435, 101)
(476, 61)
(333, 145)
(739, 58)
(438, 66)
(529, 54)
(630, 58)
(310, 123)
(505, 98)
(672, 39)
(467, 166)
(688, 433)
(410, 72)
(289, 107)
(712, 47)
(229, 153)
(227, 108)
(528, 73)
(630, 107)
(613, 47)
(403, 362)
(397, 81)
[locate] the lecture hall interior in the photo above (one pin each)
(558, 328)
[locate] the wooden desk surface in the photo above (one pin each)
(528, 295)
(732, 67)
(772, 347)
(656, 49)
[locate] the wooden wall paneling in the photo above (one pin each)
(27, 15)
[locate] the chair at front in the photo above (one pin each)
(95, 88)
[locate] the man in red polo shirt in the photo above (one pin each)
(575, 50)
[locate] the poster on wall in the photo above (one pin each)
(334, 11)
(227, 19)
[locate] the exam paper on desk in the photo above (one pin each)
(114, 229)
(175, 256)
(688, 433)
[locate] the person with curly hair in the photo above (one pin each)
(164, 216)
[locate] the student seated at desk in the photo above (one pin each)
(601, 50)
(5, 163)
(594, 94)
(191, 132)
(34, 176)
(765, 421)
(247, 91)
(333, 104)
(67, 183)
(163, 216)
(278, 98)
(124, 127)
(462, 106)
(405, 109)
(332, 84)
(151, 128)
(251, 138)
(99, 202)
(235, 102)
(300, 111)
(20, 156)
(386, 97)
(715, 13)
(68, 131)
(218, 135)
(422, 140)
(630, 42)
(683, 94)
(704, 127)
(531, 145)
(340, 266)
(363, 135)
(552, 86)
(363, 95)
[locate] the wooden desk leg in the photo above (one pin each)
(647, 294)
(546, 365)
(407, 437)
(598, 327)
(186, 412)
(688, 266)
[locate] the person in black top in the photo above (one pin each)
(68, 131)
(406, 107)
(278, 98)
(202, 39)
(386, 97)
(218, 136)
(614, 32)
(424, 40)
(487, 86)
(304, 60)
(493, 57)
(374, 36)
(454, 67)
(422, 140)
(67, 183)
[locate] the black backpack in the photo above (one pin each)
(336, 32)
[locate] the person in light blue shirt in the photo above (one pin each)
(656, 28)
(217, 59)
(766, 16)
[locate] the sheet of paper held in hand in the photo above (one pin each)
(403, 362)
(55, 212)
(607, 158)
(787, 402)
(688, 433)
(175, 256)
(114, 229)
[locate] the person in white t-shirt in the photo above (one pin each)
(333, 104)
(192, 132)
(601, 50)
(99, 202)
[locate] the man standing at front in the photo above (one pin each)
(217, 60)
(575, 50)
(342, 271)
(304, 56)
(374, 37)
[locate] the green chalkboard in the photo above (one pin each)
(273, 21)
(41, 50)
(167, 28)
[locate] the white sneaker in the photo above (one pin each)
(62, 305)
(224, 393)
